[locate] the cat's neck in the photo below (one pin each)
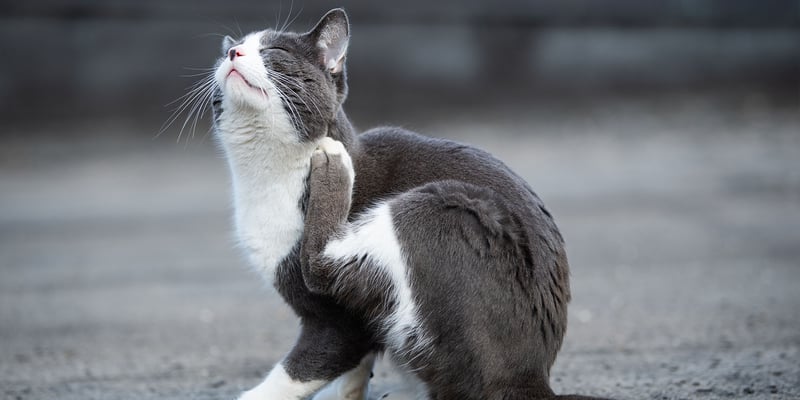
(342, 130)
(269, 167)
(261, 150)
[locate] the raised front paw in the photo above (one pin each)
(331, 158)
(330, 146)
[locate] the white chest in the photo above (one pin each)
(268, 217)
(269, 178)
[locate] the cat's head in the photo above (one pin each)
(290, 80)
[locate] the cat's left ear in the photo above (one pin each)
(331, 36)
(227, 43)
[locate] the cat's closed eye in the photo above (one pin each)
(277, 48)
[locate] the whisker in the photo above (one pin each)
(236, 21)
(192, 96)
(285, 81)
(190, 90)
(278, 15)
(205, 35)
(294, 103)
(203, 105)
(288, 15)
(279, 86)
(197, 96)
(296, 117)
(294, 114)
(231, 32)
(193, 75)
(296, 15)
(200, 69)
(200, 105)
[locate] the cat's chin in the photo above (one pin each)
(240, 92)
(245, 96)
(236, 76)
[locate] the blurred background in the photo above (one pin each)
(664, 137)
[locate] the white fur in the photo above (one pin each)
(373, 237)
(278, 385)
(410, 383)
(352, 385)
(268, 163)
(258, 92)
(269, 166)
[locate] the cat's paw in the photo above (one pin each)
(335, 393)
(333, 157)
(251, 395)
(330, 146)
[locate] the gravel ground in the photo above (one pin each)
(681, 214)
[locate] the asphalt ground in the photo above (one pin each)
(119, 277)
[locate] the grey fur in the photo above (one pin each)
(486, 261)
(330, 193)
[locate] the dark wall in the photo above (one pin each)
(124, 58)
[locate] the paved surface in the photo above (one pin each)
(119, 278)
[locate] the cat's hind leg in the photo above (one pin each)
(352, 385)
(489, 287)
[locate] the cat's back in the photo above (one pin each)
(393, 160)
(409, 158)
(389, 147)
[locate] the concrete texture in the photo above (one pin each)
(119, 278)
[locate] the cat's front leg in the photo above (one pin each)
(323, 352)
(279, 385)
(330, 185)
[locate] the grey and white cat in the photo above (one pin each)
(388, 241)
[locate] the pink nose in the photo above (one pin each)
(235, 52)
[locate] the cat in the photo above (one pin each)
(386, 241)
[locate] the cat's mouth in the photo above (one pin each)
(234, 74)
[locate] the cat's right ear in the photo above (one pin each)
(227, 43)
(331, 36)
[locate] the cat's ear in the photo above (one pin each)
(227, 43)
(331, 36)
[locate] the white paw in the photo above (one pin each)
(352, 385)
(278, 385)
(252, 395)
(334, 147)
(327, 393)
(338, 391)
(331, 146)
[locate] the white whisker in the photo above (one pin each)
(192, 103)
(287, 82)
(294, 115)
(288, 15)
